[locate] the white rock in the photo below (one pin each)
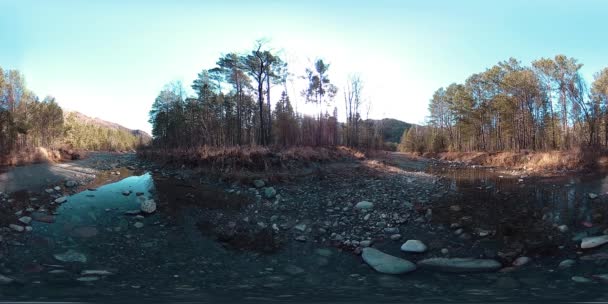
(25, 219)
(521, 261)
(16, 227)
(562, 228)
(580, 279)
(57, 188)
(592, 195)
(386, 263)
(138, 225)
(365, 243)
(413, 246)
(5, 280)
(364, 205)
(61, 200)
(594, 241)
(148, 206)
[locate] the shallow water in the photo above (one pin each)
(169, 258)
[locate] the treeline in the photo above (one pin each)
(26, 122)
(232, 107)
(510, 106)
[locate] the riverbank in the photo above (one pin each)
(307, 233)
(549, 162)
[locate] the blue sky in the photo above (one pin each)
(110, 59)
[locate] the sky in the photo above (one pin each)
(109, 59)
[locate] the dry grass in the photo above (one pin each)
(575, 159)
(30, 156)
(254, 158)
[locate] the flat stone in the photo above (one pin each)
(57, 188)
(579, 279)
(16, 227)
(365, 243)
(391, 230)
(395, 237)
(594, 241)
(592, 195)
(364, 205)
(460, 264)
(413, 246)
(87, 279)
(61, 200)
(138, 225)
(385, 263)
(95, 272)
(25, 219)
(126, 192)
(4, 280)
(566, 264)
(300, 227)
(71, 256)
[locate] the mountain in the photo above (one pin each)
(392, 129)
(84, 119)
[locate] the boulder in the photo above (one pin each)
(386, 263)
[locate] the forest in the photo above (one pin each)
(26, 123)
(512, 107)
(232, 107)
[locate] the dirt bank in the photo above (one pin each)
(529, 161)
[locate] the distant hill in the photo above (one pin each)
(84, 119)
(392, 129)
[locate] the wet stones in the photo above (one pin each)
(594, 241)
(96, 272)
(385, 263)
(364, 205)
(413, 246)
(126, 192)
(391, 230)
(148, 206)
(138, 225)
(71, 256)
(460, 264)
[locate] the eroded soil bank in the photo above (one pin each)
(299, 238)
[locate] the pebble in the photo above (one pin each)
(5, 280)
(71, 256)
(460, 264)
(395, 237)
(562, 228)
(579, 279)
(364, 205)
(300, 227)
(95, 272)
(148, 206)
(61, 200)
(592, 195)
(365, 243)
(57, 188)
(258, 183)
(269, 192)
(87, 279)
(138, 225)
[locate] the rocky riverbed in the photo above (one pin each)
(348, 230)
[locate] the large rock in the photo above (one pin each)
(148, 206)
(413, 246)
(364, 205)
(460, 264)
(594, 241)
(386, 263)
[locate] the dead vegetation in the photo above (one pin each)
(576, 159)
(40, 155)
(255, 159)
